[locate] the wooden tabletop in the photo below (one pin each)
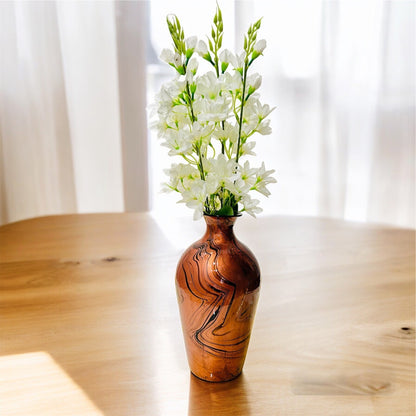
(89, 323)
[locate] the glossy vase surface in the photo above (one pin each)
(217, 283)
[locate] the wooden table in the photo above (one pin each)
(89, 323)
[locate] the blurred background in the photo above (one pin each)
(76, 80)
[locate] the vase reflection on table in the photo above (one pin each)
(213, 399)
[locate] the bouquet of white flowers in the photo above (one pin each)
(209, 121)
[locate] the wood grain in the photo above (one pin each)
(82, 332)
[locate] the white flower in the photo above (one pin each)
(177, 60)
(221, 172)
(263, 178)
(260, 46)
(223, 168)
(212, 110)
(258, 49)
(166, 96)
(247, 174)
(254, 117)
(232, 82)
(246, 177)
(178, 142)
(193, 65)
(202, 50)
(226, 56)
(251, 205)
(264, 128)
(254, 82)
(195, 197)
(261, 111)
(237, 61)
(247, 148)
(190, 42)
(160, 126)
(191, 69)
(167, 56)
(189, 77)
(174, 87)
(180, 177)
(210, 104)
(201, 135)
(229, 132)
(208, 85)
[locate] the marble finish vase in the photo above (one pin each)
(217, 283)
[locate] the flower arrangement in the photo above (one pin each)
(209, 121)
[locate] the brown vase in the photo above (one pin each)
(217, 284)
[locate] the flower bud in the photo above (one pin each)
(237, 61)
(191, 42)
(260, 46)
(226, 56)
(258, 49)
(177, 60)
(167, 56)
(190, 46)
(193, 65)
(202, 48)
(254, 81)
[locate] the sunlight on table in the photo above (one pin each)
(40, 387)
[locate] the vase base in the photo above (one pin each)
(217, 380)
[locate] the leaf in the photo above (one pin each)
(226, 211)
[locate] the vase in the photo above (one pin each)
(217, 285)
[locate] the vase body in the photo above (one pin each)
(217, 284)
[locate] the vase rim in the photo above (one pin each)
(223, 216)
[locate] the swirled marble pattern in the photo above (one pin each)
(217, 281)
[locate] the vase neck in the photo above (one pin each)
(219, 229)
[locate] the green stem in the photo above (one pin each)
(222, 142)
(200, 165)
(241, 111)
(192, 161)
(213, 149)
(193, 118)
(217, 69)
(234, 107)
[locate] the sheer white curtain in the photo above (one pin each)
(342, 76)
(73, 134)
(72, 108)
